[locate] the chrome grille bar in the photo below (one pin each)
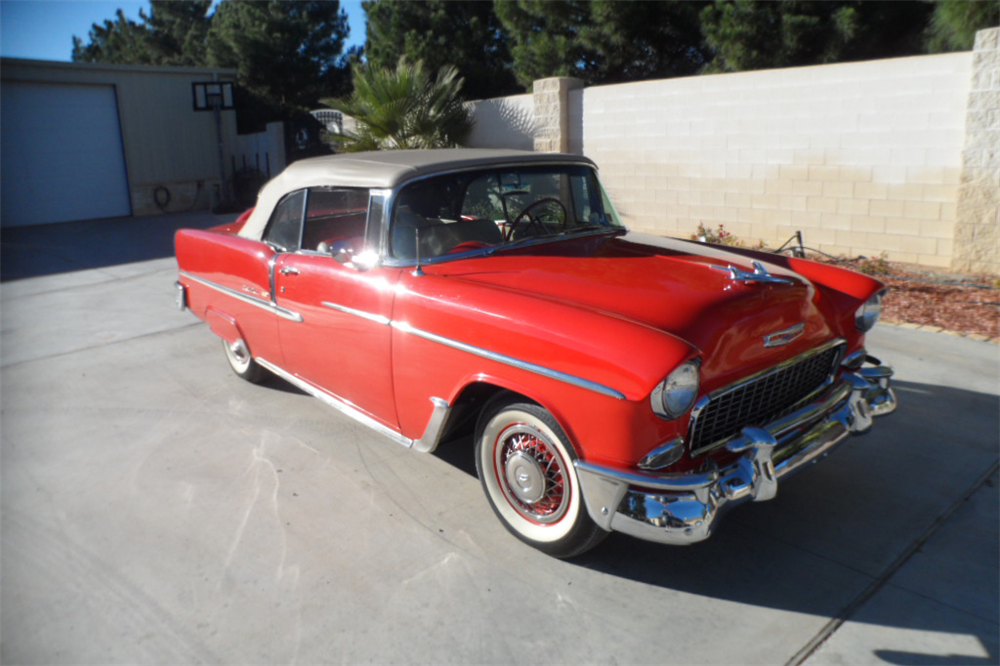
(758, 400)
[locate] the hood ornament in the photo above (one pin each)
(783, 337)
(759, 274)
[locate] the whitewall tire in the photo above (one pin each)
(525, 464)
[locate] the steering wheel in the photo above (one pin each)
(533, 220)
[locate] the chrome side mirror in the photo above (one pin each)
(362, 261)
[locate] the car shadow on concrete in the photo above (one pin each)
(867, 514)
(50, 249)
(842, 531)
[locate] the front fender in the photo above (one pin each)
(594, 372)
(600, 349)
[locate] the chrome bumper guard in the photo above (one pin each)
(683, 508)
(180, 296)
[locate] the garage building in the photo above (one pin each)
(84, 141)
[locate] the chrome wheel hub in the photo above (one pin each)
(531, 474)
(525, 477)
(239, 351)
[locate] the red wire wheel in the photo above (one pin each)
(525, 464)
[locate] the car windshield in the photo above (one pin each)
(495, 208)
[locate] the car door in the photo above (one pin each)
(342, 343)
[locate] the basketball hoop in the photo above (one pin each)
(216, 96)
(212, 95)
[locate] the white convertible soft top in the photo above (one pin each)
(382, 170)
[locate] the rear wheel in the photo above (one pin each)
(526, 468)
(242, 362)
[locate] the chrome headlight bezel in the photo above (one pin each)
(677, 393)
(868, 314)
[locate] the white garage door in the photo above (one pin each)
(62, 156)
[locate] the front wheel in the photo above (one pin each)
(524, 463)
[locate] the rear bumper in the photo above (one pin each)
(684, 508)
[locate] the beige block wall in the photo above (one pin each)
(863, 158)
(552, 113)
(977, 234)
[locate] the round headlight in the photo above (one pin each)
(676, 394)
(867, 315)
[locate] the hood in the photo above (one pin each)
(680, 287)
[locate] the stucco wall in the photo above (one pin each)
(863, 158)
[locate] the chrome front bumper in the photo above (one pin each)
(684, 508)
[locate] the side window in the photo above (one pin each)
(284, 230)
(335, 220)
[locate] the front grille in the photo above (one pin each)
(761, 399)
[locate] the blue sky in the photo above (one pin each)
(44, 29)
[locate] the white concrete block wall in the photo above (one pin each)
(863, 158)
(503, 122)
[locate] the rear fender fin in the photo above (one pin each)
(223, 325)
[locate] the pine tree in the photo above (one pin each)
(286, 53)
(122, 41)
(462, 33)
(954, 24)
(753, 34)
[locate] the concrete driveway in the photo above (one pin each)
(157, 509)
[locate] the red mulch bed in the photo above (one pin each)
(965, 304)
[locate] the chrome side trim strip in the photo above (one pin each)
(342, 406)
(257, 302)
(511, 361)
(378, 319)
(479, 351)
(406, 328)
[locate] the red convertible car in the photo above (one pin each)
(611, 381)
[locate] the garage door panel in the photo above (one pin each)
(62, 155)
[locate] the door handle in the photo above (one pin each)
(289, 270)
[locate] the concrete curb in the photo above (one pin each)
(938, 329)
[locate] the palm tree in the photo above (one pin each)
(404, 108)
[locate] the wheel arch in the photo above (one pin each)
(473, 396)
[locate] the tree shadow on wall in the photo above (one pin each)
(502, 124)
